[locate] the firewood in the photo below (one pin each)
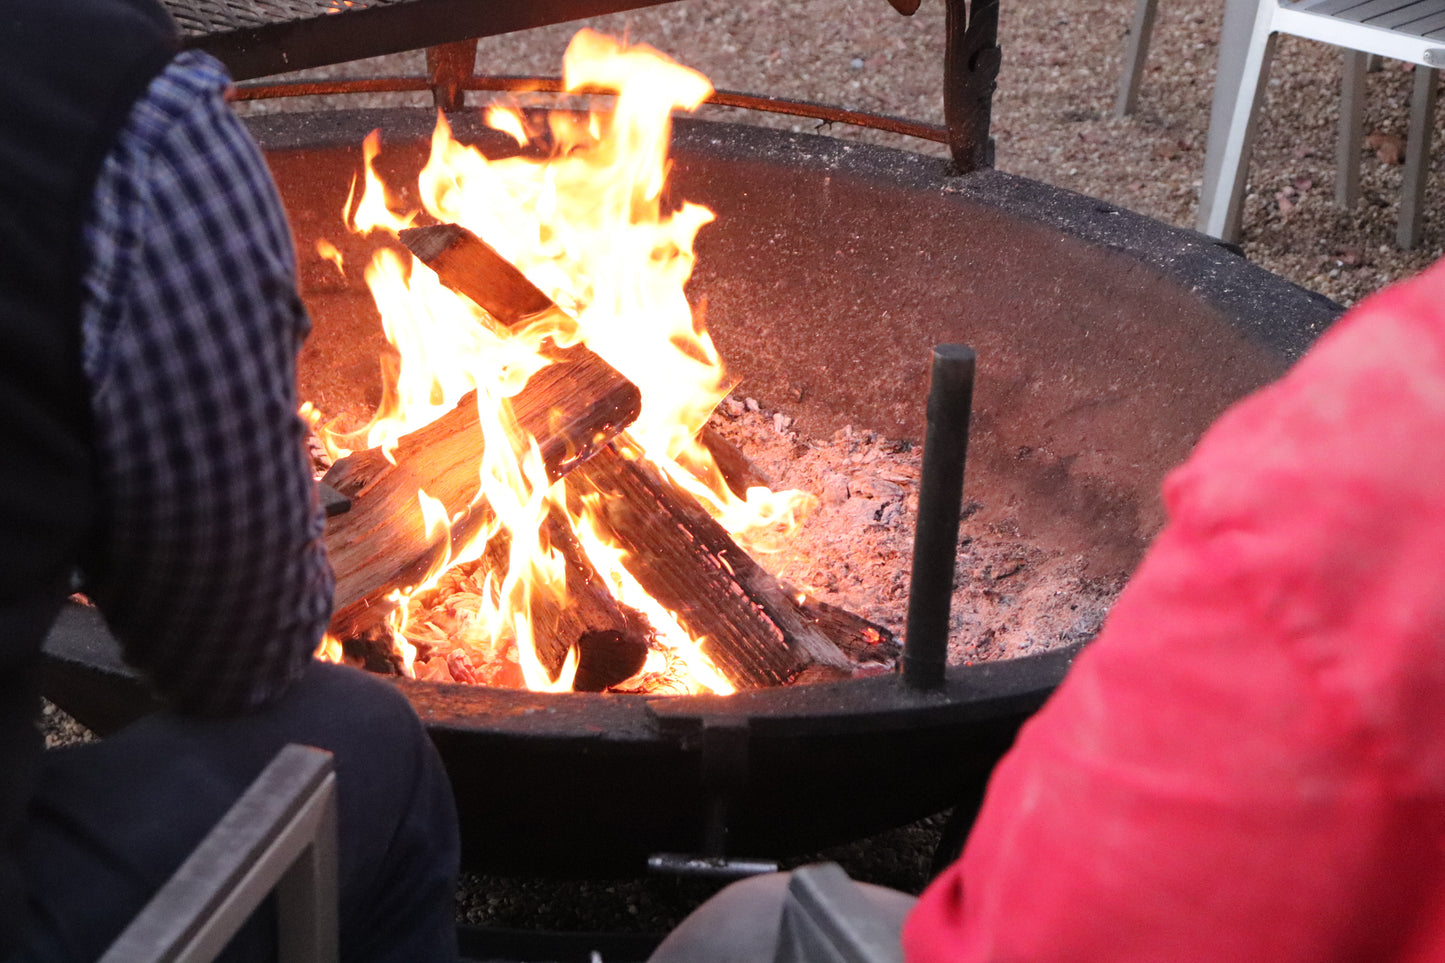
(571, 407)
(473, 268)
(754, 631)
(606, 659)
(862, 641)
(381, 543)
(736, 468)
(589, 608)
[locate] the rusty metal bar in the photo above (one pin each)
(553, 85)
(940, 496)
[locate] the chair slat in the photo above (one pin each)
(1369, 11)
(1424, 26)
(1327, 8)
(1407, 16)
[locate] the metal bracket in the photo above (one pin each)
(448, 68)
(970, 73)
(723, 741)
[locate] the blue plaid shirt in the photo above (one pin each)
(209, 564)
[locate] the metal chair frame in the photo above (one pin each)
(280, 835)
(1408, 30)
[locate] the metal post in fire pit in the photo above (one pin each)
(940, 497)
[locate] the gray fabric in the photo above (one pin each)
(741, 923)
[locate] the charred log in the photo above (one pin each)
(382, 544)
(752, 629)
(473, 268)
(736, 468)
(863, 642)
(606, 659)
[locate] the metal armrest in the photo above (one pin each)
(281, 835)
(827, 919)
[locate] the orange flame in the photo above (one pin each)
(589, 227)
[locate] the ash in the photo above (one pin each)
(1012, 594)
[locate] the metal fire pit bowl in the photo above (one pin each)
(1106, 342)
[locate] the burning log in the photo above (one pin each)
(589, 612)
(606, 659)
(736, 468)
(752, 628)
(755, 632)
(473, 268)
(381, 544)
(866, 644)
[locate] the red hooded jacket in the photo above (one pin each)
(1249, 762)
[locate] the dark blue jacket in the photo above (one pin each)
(72, 71)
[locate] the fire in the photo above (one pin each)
(588, 225)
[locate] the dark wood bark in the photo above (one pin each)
(607, 659)
(381, 543)
(754, 631)
(737, 469)
(473, 268)
(860, 640)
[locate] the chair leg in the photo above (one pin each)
(1136, 51)
(1221, 203)
(1417, 156)
(1352, 110)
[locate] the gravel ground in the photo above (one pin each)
(1053, 122)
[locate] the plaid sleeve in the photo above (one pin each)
(209, 563)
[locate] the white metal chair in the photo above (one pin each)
(281, 835)
(1409, 30)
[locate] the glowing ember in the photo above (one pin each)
(587, 226)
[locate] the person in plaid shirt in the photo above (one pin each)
(150, 278)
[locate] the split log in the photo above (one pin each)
(736, 468)
(859, 639)
(381, 543)
(473, 268)
(606, 659)
(754, 631)
(589, 610)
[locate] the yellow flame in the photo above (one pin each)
(589, 226)
(332, 253)
(507, 121)
(328, 649)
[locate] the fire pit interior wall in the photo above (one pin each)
(1106, 343)
(832, 269)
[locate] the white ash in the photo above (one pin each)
(854, 550)
(1012, 594)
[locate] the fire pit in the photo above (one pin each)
(1107, 342)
